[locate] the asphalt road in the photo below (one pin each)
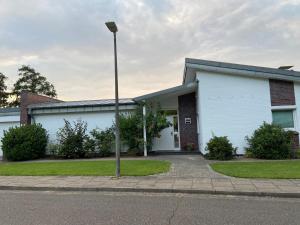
(61, 208)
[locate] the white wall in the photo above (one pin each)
(5, 124)
(231, 106)
(297, 112)
(53, 122)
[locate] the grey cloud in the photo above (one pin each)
(68, 42)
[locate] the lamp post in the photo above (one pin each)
(113, 28)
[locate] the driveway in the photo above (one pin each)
(188, 166)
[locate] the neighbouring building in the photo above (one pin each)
(215, 98)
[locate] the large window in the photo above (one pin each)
(284, 118)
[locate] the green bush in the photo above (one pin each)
(220, 148)
(131, 127)
(103, 141)
(52, 149)
(131, 131)
(269, 141)
(72, 140)
(24, 143)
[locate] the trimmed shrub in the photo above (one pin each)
(72, 140)
(220, 148)
(24, 143)
(270, 141)
(103, 140)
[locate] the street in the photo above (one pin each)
(38, 208)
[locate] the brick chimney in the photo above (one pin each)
(28, 98)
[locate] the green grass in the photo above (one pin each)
(272, 170)
(84, 168)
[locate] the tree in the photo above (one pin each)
(3, 93)
(32, 81)
(131, 126)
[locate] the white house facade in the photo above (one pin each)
(215, 98)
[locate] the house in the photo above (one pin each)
(215, 98)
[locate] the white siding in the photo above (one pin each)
(231, 106)
(297, 114)
(53, 122)
(5, 125)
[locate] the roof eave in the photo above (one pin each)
(244, 72)
(172, 90)
(75, 106)
(194, 65)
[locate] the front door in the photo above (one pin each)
(169, 139)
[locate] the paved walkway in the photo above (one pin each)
(189, 173)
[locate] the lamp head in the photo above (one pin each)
(112, 26)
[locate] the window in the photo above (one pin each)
(284, 118)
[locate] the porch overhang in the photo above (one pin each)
(174, 91)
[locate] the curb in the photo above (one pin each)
(151, 190)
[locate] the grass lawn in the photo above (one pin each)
(273, 170)
(84, 168)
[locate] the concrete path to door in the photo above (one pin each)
(188, 166)
(188, 174)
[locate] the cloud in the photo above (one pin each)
(68, 42)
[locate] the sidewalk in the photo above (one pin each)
(289, 188)
(187, 175)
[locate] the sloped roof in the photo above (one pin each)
(222, 67)
(9, 110)
(72, 104)
(181, 89)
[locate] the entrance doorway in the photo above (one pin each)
(169, 139)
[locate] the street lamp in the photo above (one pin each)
(113, 28)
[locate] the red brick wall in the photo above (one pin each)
(187, 109)
(28, 98)
(282, 92)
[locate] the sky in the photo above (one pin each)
(68, 42)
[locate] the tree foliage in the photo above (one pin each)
(3, 94)
(32, 81)
(131, 126)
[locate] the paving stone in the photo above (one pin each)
(202, 180)
(296, 181)
(264, 185)
(222, 184)
(283, 182)
(206, 188)
(200, 187)
(224, 188)
(238, 181)
(289, 188)
(221, 179)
